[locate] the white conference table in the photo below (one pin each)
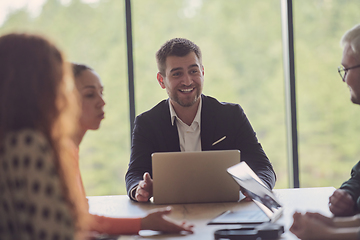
(300, 199)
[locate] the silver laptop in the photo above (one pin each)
(194, 177)
(268, 207)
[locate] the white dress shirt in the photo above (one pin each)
(189, 136)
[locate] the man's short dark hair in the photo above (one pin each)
(179, 47)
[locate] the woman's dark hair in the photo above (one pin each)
(37, 91)
(79, 68)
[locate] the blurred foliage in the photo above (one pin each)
(327, 122)
(242, 55)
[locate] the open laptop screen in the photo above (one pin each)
(256, 190)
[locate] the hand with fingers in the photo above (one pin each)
(341, 203)
(157, 221)
(244, 192)
(310, 227)
(144, 190)
(329, 221)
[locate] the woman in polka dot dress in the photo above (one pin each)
(36, 120)
(90, 90)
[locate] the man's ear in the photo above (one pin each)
(202, 70)
(160, 79)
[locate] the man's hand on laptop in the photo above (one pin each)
(247, 197)
(144, 190)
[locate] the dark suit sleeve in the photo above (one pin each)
(153, 132)
(228, 119)
(140, 158)
(251, 150)
(352, 186)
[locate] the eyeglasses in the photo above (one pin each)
(343, 71)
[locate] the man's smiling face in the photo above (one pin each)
(184, 79)
(352, 77)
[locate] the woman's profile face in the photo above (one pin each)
(90, 88)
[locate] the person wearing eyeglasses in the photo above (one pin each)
(344, 203)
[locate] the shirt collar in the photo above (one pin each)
(174, 116)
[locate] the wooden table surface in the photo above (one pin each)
(301, 199)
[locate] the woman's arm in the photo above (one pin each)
(347, 222)
(350, 233)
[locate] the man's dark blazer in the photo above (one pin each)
(153, 132)
(352, 186)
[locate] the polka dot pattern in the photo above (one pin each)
(32, 202)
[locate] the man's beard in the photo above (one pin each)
(183, 103)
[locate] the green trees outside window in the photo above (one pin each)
(242, 55)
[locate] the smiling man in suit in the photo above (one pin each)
(189, 121)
